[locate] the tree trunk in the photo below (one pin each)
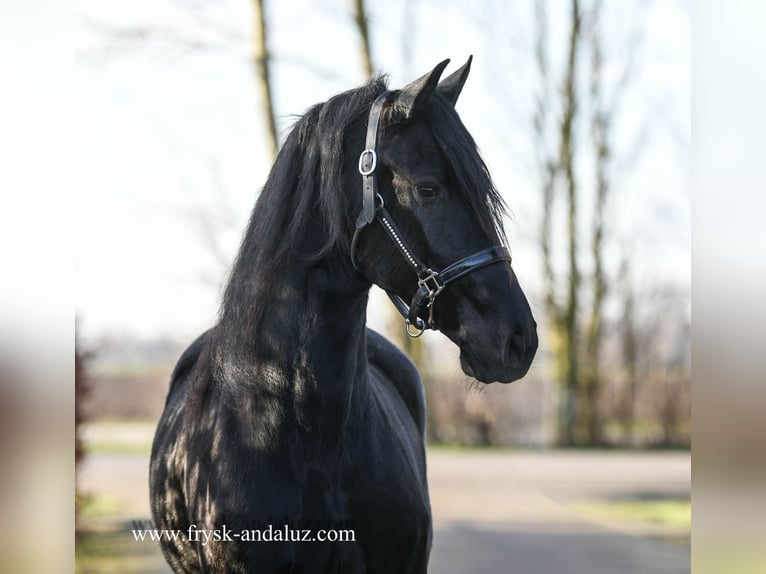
(570, 365)
(360, 17)
(600, 130)
(630, 356)
(262, 65)
(554, 166)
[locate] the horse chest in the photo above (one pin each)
(388, 498)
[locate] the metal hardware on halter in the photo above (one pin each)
(421, 328)
(430, 282)
(373, 162)
(438, 287)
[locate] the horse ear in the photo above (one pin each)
(451, 86)
(414, 96)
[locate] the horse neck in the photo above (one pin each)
(305, 357)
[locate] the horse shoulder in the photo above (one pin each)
(187, 360)
(168, 481)
(402, 373)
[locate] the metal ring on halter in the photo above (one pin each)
(421, 326)
(373, 162)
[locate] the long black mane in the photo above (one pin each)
(306, 196)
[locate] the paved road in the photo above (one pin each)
(511, 512)
(497, 512)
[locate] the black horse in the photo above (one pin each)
(290, 416)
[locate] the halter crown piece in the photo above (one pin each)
(430, 282)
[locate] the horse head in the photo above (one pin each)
(430, 229)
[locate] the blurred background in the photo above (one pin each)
(582, 112)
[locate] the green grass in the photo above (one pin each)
(106, 544)
(458, 447)
(674, 513)
(122, 422)
(737, 558)
(118, 447)
(116, 552)
(108, 436)
(99, 506)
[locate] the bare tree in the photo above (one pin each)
(570, 333)
(262, 65)
(600, 126)
(360, 19)
(630, 350)
(603, 110)
(556, 169)
(576, 315)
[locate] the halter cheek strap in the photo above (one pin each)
(368, 161)
(430, 282)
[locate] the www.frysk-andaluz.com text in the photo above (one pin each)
(283, 533)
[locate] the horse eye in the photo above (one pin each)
(428, 191)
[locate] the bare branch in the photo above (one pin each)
(633, 48)
(320, 71)
(130, 38)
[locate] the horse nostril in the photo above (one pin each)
(515, 350)
(519, 344)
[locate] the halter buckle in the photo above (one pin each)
(370, 158)
(434, 290)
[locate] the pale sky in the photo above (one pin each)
(169, 128)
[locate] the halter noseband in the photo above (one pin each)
(430, 282)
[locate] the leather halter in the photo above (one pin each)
(430, 282)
